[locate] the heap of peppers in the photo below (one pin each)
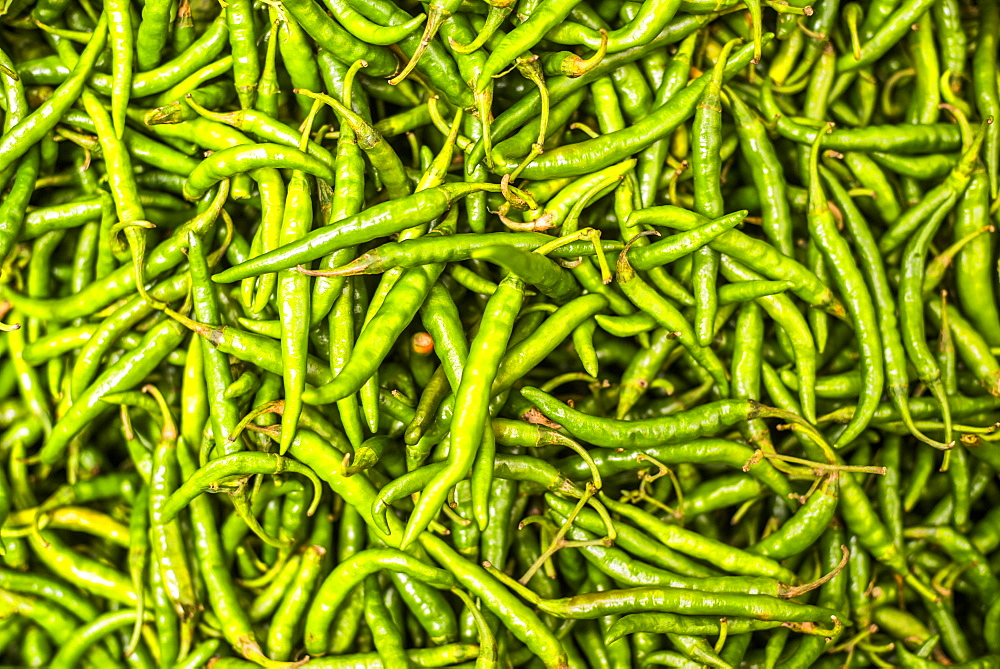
(503, 333)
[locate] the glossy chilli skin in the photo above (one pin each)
(499, 333)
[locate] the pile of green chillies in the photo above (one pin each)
(499, 334)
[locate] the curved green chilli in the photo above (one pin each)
(280, 636)
(130, 370)
(165, 537)
(224, 412)
(973, 269)
(470, 423)
(229, 162)
(87, 635)
(293, 301)
(16, 141)
(651, 160)
(516, 617)
(672, 600)
(454, 248)
(377, 338)
(757, 255)
(805, 527)
(613, 147)
(677, 428)
(152, 34)
(377, 221)
(823, 229)
(215, 573)
(767, 174)
(235, 465)
(911, 317)
(893, 350)
(295, 48)
(122, 54)
(549, 278)
(707, 169)
(670, 318)
(348, 200)
(367, 31)
(243, 43)
(984, 80)
(352, 571)
(549, 14)
(264, 126)
(338, 42)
